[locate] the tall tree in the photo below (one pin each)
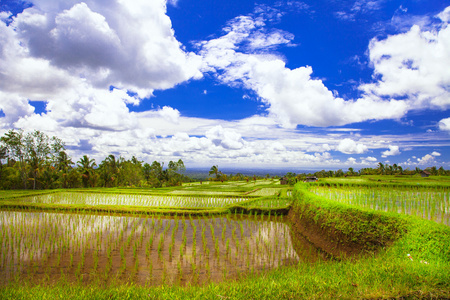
(33, 150)
(3, 156)
(14, 141)
(63, 166)
(215, 171)
(86, 167)
(381, 168)
(41, 150)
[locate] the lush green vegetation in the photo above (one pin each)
(36, 161)
(387, 180)
(406, 256)
(431, 203)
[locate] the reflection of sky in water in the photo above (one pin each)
(47, 235)
(134, 200)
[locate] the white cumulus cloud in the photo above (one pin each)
(393, 150)
(293, 96)
(349, 146)
(169, 114)
(83, 57)
(227, 138)
(428, 159)
(407, 70)
(444, 124)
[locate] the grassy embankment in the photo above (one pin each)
(382, 270)
(388, 181)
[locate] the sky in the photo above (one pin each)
(314, 84)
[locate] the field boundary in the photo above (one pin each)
(341, 230)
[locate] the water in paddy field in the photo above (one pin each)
(41, 247)
(135, 200)
(425, 203)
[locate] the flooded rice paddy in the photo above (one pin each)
(42, 247)
(425, 203)
(135, 200)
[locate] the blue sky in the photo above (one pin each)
(302, 84)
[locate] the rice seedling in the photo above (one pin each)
(428, 203)
(173, 201)
(107, 247)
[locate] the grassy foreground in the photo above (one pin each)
(387, 272)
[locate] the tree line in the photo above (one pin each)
(382, 169)
(36, 161)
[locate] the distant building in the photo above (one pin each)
(311, 179)
(425, 174)
(283, 180)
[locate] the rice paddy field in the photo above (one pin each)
(213, 240)
(46, 247)
(93, 199)
(429, 203)
(79, 246)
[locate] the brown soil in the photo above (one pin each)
(109, 249)
(332, 242)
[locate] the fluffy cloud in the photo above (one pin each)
(406, 70)
(349, 146)
(426, 160)
(292, 96)
(90, 61)
(393, 150)
(71, 54)
(370, 159)
(170, 114)
(227, 138)
(406, 76)
(122, 43)
(444, 124)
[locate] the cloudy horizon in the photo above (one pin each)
(271, 84)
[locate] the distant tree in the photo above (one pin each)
(215, 171)
(433, 171)
(381, 168)
(351, 171)
(3, 156)
(86, 168)
(31, 151)
(394, 168)
(14, 142)
(339, 173)
(147, 172)
(110, 171)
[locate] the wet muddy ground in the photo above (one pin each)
(42, 247)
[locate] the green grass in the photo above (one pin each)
(430, 203)
(192, 198)
(387, 180)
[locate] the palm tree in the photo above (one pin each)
(215, 171)
(351, 171)
(36, 165)
(86, 166)
(63, 164)
(418, 170)
(3, 155)
(381, 168)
